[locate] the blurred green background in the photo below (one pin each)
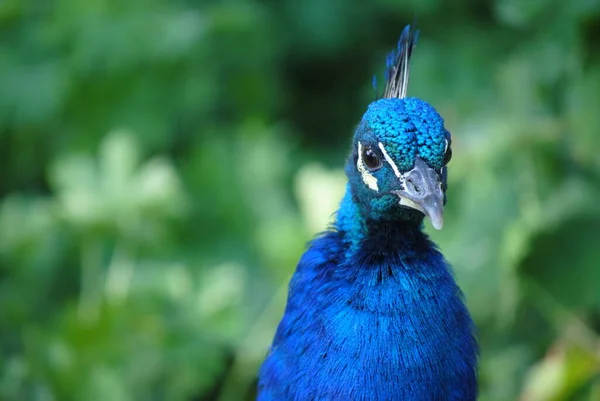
(164, 162)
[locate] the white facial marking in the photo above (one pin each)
(407, 202)
(446, 147)
(367, 177)
(389, 160)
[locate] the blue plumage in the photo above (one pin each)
(373, 311)
(407, 127)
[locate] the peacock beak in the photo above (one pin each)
(422, 190)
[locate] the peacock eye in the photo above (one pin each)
(371, 159)
(448, 155)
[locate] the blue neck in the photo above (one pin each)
(350, 220)
(373, 313)
(359, 230)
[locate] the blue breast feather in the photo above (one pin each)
(385, 323)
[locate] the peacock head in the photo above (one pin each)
(397, 168)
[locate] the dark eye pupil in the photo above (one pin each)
(448, 155)
(370, 158)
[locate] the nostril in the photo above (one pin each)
(412, 186)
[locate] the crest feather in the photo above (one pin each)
(398, 64)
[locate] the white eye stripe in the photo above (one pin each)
(446, 146)
(389, 160)
(368, 178)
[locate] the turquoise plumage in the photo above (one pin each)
(373, 311)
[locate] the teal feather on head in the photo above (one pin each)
(400, 147)
(407, 127)
(397, 168)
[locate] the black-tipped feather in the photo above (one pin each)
(398, 64)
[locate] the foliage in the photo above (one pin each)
(165, 162)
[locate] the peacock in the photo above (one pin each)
(373, 311)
